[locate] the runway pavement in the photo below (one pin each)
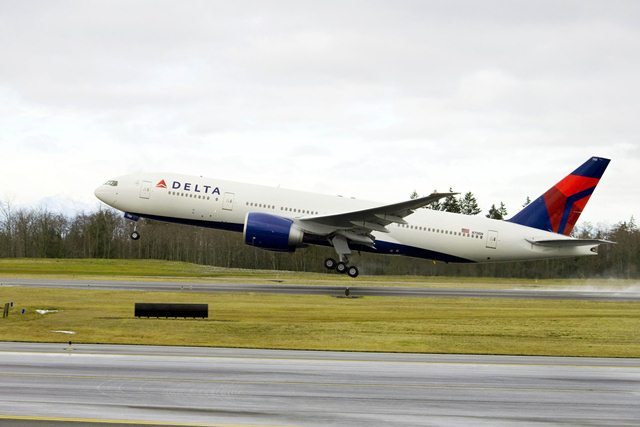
(233, 387)
(355, 290)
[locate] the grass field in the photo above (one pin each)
(433, 325)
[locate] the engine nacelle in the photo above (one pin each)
(271, 232)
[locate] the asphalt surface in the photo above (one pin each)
(354, 290)
(45, 384)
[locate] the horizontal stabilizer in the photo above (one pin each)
(566, 243)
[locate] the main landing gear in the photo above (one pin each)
(341, 267)
(341, 246)
(134, 235)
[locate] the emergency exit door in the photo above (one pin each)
(227, 201)
(492, 239)
(145, 189)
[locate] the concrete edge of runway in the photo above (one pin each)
(324, 355)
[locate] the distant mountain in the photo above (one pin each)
(66, 205)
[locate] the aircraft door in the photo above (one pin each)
(492, 239)
(145, 189)
(227, 201)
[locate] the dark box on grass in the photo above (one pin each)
(150, 309)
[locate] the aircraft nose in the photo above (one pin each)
(100, 193)
(106, 194)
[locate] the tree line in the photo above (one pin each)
(38, 233)
(466, 205)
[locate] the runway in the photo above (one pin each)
(234, 387)
(549, 293)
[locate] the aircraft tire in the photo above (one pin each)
(341, 267)
(135, 235)
(330, 264)
(353, 271)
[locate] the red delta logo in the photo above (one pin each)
(161, 184)
(566, 200)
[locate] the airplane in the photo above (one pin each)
(284, 220)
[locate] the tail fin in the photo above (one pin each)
(558, 209)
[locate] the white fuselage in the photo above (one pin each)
(428, 234)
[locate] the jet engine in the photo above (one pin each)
(272, 232)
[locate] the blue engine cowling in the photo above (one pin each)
(271, 232)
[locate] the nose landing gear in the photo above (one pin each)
(134, 234)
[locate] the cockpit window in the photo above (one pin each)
(111, 183)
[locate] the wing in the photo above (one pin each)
(367, 220)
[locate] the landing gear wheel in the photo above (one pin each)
(353, 271)
(330, 264)
(341, 267)
(135, 235)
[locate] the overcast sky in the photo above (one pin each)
(372, 99)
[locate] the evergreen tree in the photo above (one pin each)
(527, 202)
(493, 212)
(451, 203)
(469, 205)
(503, 210)
(497, 213)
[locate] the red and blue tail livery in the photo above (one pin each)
(559, 208)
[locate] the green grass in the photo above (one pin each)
(432, 325)
(102, 267)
